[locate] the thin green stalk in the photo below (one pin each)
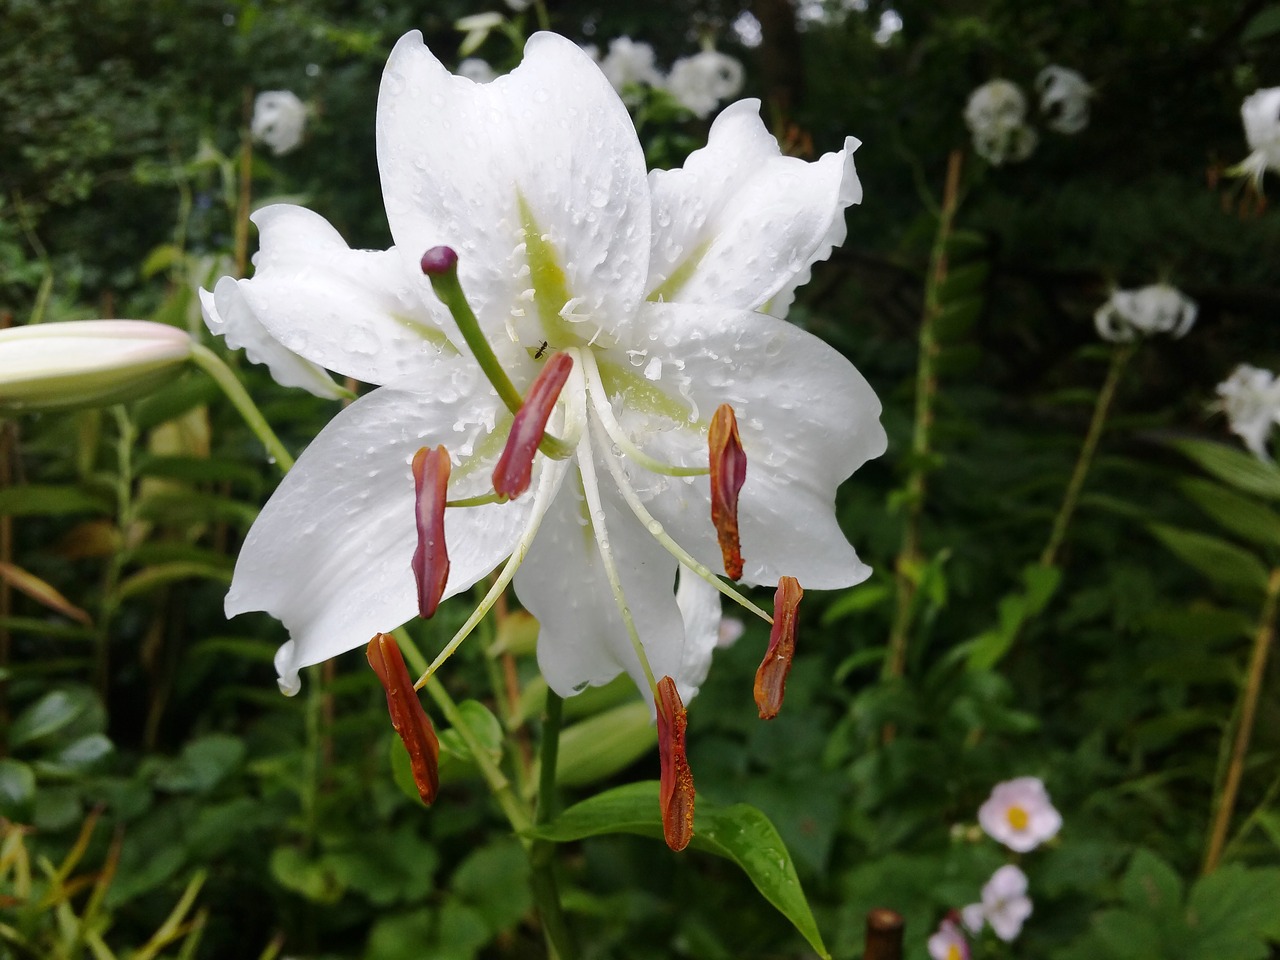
(1225, 802)
(910, 558)
(540, 10)
(546, 890)
(210, 363)
(126, 437)
(1119, 359)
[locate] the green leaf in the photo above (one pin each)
(79, 755)
(152, 578)
(52, 713)
(1266, 24)
(1152, 885)
(17, 788)
(189, 506)
(1241, 470)
(494, 881)
(202, 765)
(1223, 563)
(1244, 517)
(315, 880)
(740, 833)
(1038, 586)
(454, 752)
(50, 500)
(1233, 910)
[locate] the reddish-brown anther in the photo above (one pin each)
(728, 473)
(515, 467)
(407, 716)
(771, 678)
(676, 792)
(431, 556)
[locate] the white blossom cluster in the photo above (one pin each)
(996, 113)
(1250, 398)
(699, 83)
(1130, 314)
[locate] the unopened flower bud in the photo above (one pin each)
(83, 363)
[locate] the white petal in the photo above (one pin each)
(361, 313)
(699, 604)
(807, 420)
(228, 315)
(581, 639)
(740, 223)
(974, 917)
(456, 156)
(329, 556)
(1007, 920)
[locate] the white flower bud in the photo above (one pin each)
(53, 366)
(279, 119)
(1261, 115)
(1158, 308)
(1064, 99)
(996, 115)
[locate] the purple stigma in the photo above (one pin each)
(438, 261)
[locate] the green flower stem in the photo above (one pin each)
(546, 893)
(1226, 801)
(210, 363)
(540, 9)
(546, 890)
(1119, 359)
(910, 559)
(449, 290)
(516, 813)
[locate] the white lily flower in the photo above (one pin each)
(78, 363)
(1064, 99)
(1261, 115)
(1019, 815)
(279, 120)
(629, 64)
(1005, 904)
(1158, 308)
(996, 115)
(649, 283)
(948, 943)
(1251, 401)
(702, 82)
(473, 68)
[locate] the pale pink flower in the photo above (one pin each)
(1019, 815)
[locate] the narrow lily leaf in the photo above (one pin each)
(1244, 517)
(49, 500)
(1223, 563)
(42, 592)
(740, 833)
(163, 574)
(1241, 470)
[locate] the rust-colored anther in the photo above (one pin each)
(728, 473)
(431, 556)
(515, 467)
(407, 716)
(771, 678)
(676, 792)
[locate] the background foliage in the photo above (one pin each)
(171, 800)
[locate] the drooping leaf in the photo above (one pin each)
(1242, 516)
(1223, 563)
(740, 833)
(1235, 467)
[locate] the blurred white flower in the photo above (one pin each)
(731, 628)
(996, 115)
(1064, 99)
(1251, 401)
(1005, 904)
(1158, 308)
(1019, 815)
(1261, 114)
(78, 363)
(629, 64)
(476, 70)
(476, 27)
(519, 6)
(702, 81)
(949, 942)
(279, 119)
(591, 50)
